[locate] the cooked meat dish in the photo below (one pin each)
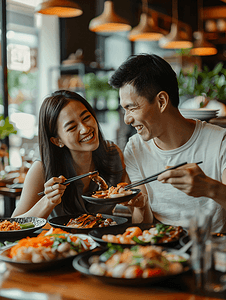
(113, 192)
(90, 221)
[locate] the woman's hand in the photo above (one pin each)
(138, 201)
(54, 190)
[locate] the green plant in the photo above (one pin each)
(97, 86)
(211, 84)
(6, 128)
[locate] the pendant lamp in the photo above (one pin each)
(60, 8)
(108, 21)
(176, 39)
(201, 46)
(146, 30)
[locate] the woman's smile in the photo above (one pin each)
(88, 138)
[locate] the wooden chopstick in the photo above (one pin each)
(154, 177)
(73, 179)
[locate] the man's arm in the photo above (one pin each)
(191, 180)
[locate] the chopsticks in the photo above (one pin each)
(154, 177)
(73, 179)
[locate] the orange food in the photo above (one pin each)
(8, 226)
(55, 244)
(112, 191)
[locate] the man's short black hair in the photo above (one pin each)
(149, 74)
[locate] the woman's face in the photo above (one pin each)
(77, 128)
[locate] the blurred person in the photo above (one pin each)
(149, 95)
(71, 144)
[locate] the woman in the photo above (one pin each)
(70, 143)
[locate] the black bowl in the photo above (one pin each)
(61, 222)
(110, 201)
(97, 234)
(82, 263)
(17, 234)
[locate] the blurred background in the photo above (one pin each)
(78, 50)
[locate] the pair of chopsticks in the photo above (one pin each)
(73, 179)
(153, 177)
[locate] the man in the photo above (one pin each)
(149, 95)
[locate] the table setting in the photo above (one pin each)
(72, 270)
(133, 259)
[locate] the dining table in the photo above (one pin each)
(65, 283)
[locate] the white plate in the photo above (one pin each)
(201, 114)
(198, 110)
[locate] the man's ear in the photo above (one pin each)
(57, 142)
(163, 100)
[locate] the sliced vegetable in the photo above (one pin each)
(27, 225)
(135, 239)
(110, 252)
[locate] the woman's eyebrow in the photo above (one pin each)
(84, 112)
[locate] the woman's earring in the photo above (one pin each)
(61, 145)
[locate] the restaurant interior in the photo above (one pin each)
(76, 45)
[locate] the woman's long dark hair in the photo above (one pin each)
(58, 161)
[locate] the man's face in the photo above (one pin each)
(142, 115)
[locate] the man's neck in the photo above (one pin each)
(176, 133)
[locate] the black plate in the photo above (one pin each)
(29, 266)
(38, 222)
(110, 201)
(97, 235)
(81, 264)
(60, 222)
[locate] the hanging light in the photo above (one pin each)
(60, 8)
(108, 21)
(176, 39)
(146, 30)
(201, 46)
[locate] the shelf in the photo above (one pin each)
(79, 68)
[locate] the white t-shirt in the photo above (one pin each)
(170, 205)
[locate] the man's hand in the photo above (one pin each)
(189, 179)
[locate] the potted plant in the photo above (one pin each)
(6, 128)
(210, 84)
(97, 86)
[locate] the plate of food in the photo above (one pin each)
(141, 234)
(19, 227)
(83, 223)
(49, 249)
(138, 265)
(112, 195)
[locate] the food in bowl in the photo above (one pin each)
(113, 192)
(54, 244)
(158, 234)
(99, 181)
(90, 221)
(138, 261)
(8, 226)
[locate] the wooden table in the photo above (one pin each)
(65, 283)
(10, 196)
(68, 284)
